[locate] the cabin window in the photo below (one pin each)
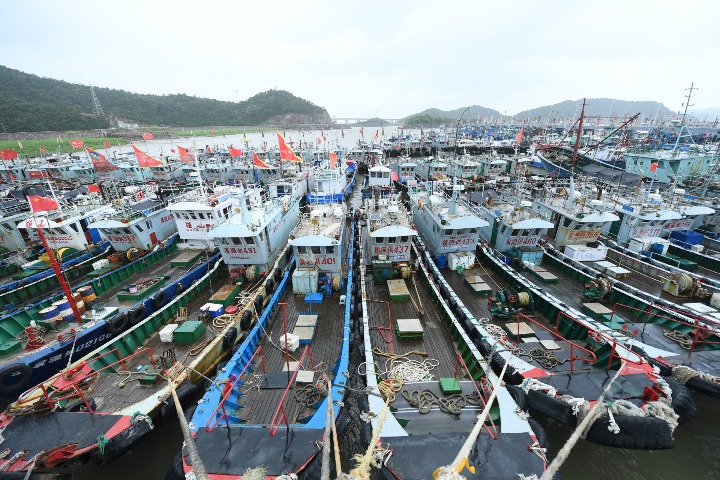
(148, 224)
(140, 229)
(127, 231)
(315, 250)
(330, 250)
(392, 239)
(74, 227)
(301, 249)
(192, 215)
(262, 237)
(201, 216)
(250, 240)
(515, 232)
(404, 239)
(380, 240)
(566, 222)
(236, 240)
(449, 231)
(503, 229)
(461, 231)
(473, 231)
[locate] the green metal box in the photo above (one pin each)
(450, 386)
(189, 331)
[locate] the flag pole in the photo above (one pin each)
(56, 267)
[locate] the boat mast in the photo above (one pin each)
(682, 122)
(577, 138)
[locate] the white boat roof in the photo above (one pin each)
(379, 168)
(599, 217)
(393, 231)
(661, 215)
(697, 210)
(532, 223)
(189, 206)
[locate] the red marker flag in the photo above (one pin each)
(145, 160)
(107, 144)
(43, 149)
(8, 154)
(148, 136)
(518, 139)
(41, 204)
(235, 152)
(93, 188)
(77, 143)
(286, 153)
(100, 162)
(333, 160)
(259, 163)
(653, 166)
(185, 155)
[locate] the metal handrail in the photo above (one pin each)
(460, 360)
(275, 422)
(228, 388)
(698, 328)
(556, 333)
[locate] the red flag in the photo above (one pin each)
(185, 155)
(107, 144)
(377, 132)
(100, 162)
(518, 139)
(20, 145)
(172, 150)
(235, 152)
(333, 160)
(8, 154)
(318, 140)
(361, 132)
(148, 136)
(77, 143)
(93, 188)
(145, 160)
(212, 132)
(41, 204)
(286, 152)
(258, 163)
(43, 149)
(653, 166)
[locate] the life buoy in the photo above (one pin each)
(229, 338)
(118, 323)
(136, 314)
(139, 195)
(159, 299)
(512, 298)
(14, 377)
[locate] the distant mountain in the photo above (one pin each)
(597, 107)
(473, 113)
(710, 113)
(29, 103)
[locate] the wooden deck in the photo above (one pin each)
(537, 340)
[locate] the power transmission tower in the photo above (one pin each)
(97, 109)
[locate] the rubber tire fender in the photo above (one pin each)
(269, 287)
(518, 394)
(497, 362)
(258, 303)
(277, 275)
(682, 401)
(136, 314)
(159, 299)
(79, 405)
(539, 432)
(639, 433)
(229, 338)
(118, 323)
(551, 407)
(703, 386)
(23, 370)
(246, 320)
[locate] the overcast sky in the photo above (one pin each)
(366, 58)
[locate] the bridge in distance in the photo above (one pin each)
(352, 120)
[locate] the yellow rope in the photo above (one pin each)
(364, 462)
(389, 387)
(377, 351)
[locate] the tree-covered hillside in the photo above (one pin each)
(30, 103)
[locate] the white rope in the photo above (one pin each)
(535, 384)
(197, 466)
(565, 450)
(452, 471)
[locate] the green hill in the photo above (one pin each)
(29, 103)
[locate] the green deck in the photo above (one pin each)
(187, 258)
(142, 294)
(102, 271)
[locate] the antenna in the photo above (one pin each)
(97, 109)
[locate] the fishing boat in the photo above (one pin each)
(332, 183)
(252, 236)
(404, 169)
(285, 381)
(424, 395)
(198, 210)
(103, 403)
(429, 169)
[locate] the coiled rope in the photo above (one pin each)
(681, 338)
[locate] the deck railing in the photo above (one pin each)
(460, 361)
(277, 418)
(228, 388)
(702, 327)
